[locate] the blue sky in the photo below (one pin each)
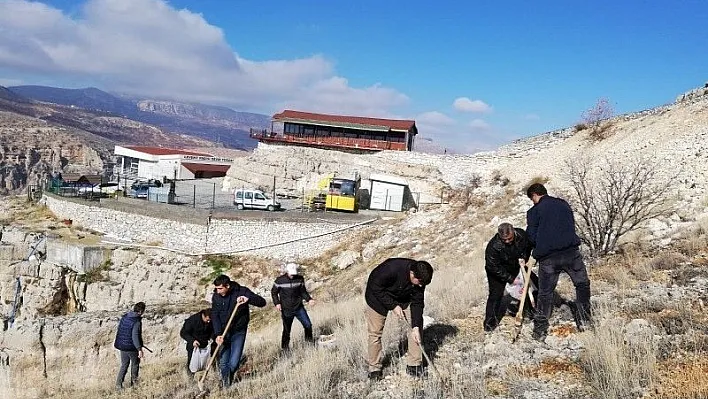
(523, 67)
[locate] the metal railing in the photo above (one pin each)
(329, 141)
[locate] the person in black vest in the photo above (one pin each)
(196, 330)
(502, 266)
(398, 285)
(129, 341)
(551, 227)
(227, 294)
(288, 292)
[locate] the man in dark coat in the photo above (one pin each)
(129, 341)
(551, 227)
(398, 285)
(196, 330)
(502, 257)
(228, 294)
(288, 292)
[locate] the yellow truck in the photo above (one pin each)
(334, 193)
(342, 194)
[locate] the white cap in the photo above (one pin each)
(291, 268)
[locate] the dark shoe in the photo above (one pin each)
(540, 337)
(416, 371)
(489, 328)
(375, 375)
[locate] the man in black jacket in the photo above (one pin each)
(288, 292)
(502, 257)
(228, 294)
(551, 227)
(398, 285)
(129, 341)
(196, 330)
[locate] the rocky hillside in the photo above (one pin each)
(649, 297)
(211, 123)
(298, 168)
(38, 139)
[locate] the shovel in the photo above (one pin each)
(425, 355)
(524, 291)
(200, 384)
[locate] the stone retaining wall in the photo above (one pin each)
(268, 238)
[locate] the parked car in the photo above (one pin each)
(254, 199)
(140, 189)
(100, 190)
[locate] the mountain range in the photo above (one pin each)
(219, 124)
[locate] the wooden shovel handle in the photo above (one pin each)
(527, 279)
(218, 346)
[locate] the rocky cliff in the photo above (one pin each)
(300, 168)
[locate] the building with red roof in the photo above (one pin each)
(144, 163)
(339, 132)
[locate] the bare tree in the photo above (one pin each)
(615, 199)
(466, 195)
(595, 118)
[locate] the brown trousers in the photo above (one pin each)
(375, 325)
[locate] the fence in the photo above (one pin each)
(202, 194)
(209, 194)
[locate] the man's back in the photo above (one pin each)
(551, 227)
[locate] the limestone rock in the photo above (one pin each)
(344, 259)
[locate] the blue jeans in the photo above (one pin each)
(231, 351)
(549, 270)
(303, 318)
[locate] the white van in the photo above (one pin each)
(254, 199)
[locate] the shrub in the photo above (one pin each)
(499, 180)
(596, 118)
(614, 200)
(465, 196)
(96, 274)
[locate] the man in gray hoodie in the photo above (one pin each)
(129, 341)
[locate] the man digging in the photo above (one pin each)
(397, 285)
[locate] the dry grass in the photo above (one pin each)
(615, 366)
(683, 379)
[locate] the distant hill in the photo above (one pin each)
(89, 98)
(212, 123)
(7, 94)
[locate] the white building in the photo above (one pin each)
(136, 162)
(388, 193)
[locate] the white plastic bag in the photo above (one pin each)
(200, 357)
(514, 289)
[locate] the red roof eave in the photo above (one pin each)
(393, 124)
(200, 167)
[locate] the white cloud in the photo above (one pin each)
(435, 124)
(464, 104)
(479, 125)
(532, 117)
(147, 47)
(435, 118)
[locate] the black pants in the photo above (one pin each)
(549, 270)
(128, 358)
(496, 305)
(301, 315)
